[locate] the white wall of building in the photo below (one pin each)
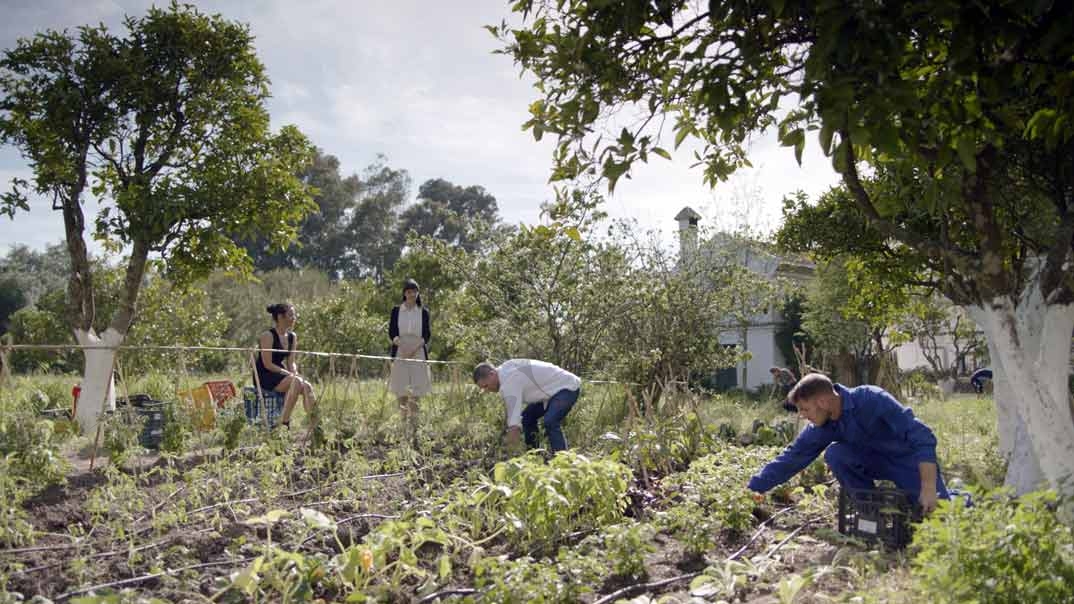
(761, 344)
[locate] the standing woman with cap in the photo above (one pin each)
(410, 333)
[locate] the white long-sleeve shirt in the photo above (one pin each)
(525, 381)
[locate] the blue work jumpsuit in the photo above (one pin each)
(875, 438)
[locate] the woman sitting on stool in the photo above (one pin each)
(276, 369)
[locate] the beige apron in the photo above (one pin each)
(410, 377)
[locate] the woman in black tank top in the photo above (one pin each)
(276, 368)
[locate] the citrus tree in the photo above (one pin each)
(166, 125)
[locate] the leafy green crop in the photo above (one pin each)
(999, 551)
(543, 503)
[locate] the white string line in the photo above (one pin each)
(214, 348)
(4, 347)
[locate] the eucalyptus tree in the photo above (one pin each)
(166, 125)
(373, 224)
(961, 110)
(455, 214)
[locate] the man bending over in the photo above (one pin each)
(868, 435)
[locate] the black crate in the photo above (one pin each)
(882, 515)
(136, 400)
(153, 432)
(56, 413)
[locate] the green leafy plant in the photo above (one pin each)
(525, 580)
(715, 484)
(15, 528)
(626, 546)
(393, 554)
(177, 429)
(1001, 550)
(122, 431)
(542, 503)
(232, 428)
(691, 525)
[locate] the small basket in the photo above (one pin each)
(270, 400)
(882, 515)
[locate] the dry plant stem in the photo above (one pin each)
(634, 413)
(223, 504)
(262, 404)
(154, 509)
(792, 535)
(150, 577)
(112, 553)
(42, 548)
(759, 531)
(447, 592)
(127, 394)
(361, 516)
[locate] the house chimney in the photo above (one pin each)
(688, 220)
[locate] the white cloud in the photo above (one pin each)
(418, 81)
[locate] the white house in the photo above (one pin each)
(758, 337)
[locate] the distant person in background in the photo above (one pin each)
(784, 381)
(866, 435)
(276, 368)
(410, 331)
(531, 390)
(977, 380)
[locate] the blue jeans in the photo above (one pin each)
(858, 468)
(558, 406)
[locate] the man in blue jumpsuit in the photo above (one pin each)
(977, 380)
(868, 435)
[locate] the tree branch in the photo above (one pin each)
(962, 260)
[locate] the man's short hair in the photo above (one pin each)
(482, 370)
(809, 386)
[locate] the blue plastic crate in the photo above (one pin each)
(270, 401)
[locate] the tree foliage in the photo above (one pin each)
(323, 239)
(547, 291)
(938, 326)
(963, 110)
(168, 124)
(374, 245)
(837, 328)
(600, 299)
(451, 213)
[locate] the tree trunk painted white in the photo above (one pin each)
(1023, 469)
(98, 387)
(1030, 348)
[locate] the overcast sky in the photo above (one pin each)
(417, 81)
